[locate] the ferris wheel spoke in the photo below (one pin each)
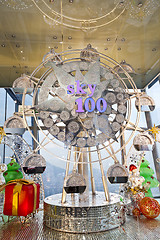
(40, 144)
(133, 126)
(104, 180)
(66, 174)
(113, 154)
(91, 172)
(34, 79)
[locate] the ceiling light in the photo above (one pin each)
(108, 39)
(54, 37)
(3, 45)
(123, 39)
(21, 51)
(119, 49)
(70, 1)
(140, 4)
(13, 36)
(69, 38)
(69, 47)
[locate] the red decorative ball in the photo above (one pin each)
(136, 212)
(149, 207)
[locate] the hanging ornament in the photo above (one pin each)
(22, 83)
(145, 103)
(143, 142)
(75, 183)
(14, 125)
(150, 207)
(34, 163)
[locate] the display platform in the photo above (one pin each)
(77, 216)
(133, 228)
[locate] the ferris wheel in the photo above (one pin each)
(82, 101)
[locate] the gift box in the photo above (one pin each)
(21, 197)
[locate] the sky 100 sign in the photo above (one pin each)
(90, 105)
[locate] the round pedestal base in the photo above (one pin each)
(77, 216)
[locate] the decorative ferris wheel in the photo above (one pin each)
(83, 103)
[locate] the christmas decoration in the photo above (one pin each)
(34, 163)
(147, 173)
(135, 179)
(21, 197)
(150, 207)
(12, 171)
(136, 212)
(2, 134)
(154, 130)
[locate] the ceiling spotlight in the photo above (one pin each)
(21, 51)
(13, 36)
(123, 39)
(119, 49)
(69, 47)
(69, 38)
(108, 39)
(54, 37)
(70, 1)
(121, 3)
(3, 45)
(140, 4)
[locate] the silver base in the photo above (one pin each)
(91, 215)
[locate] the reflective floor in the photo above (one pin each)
(135, 229)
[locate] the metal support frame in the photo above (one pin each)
(104, 180)
(5, 117)
(66, 174)
(35, 129)
(154, 151)
(15, 97)
(123, 151)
